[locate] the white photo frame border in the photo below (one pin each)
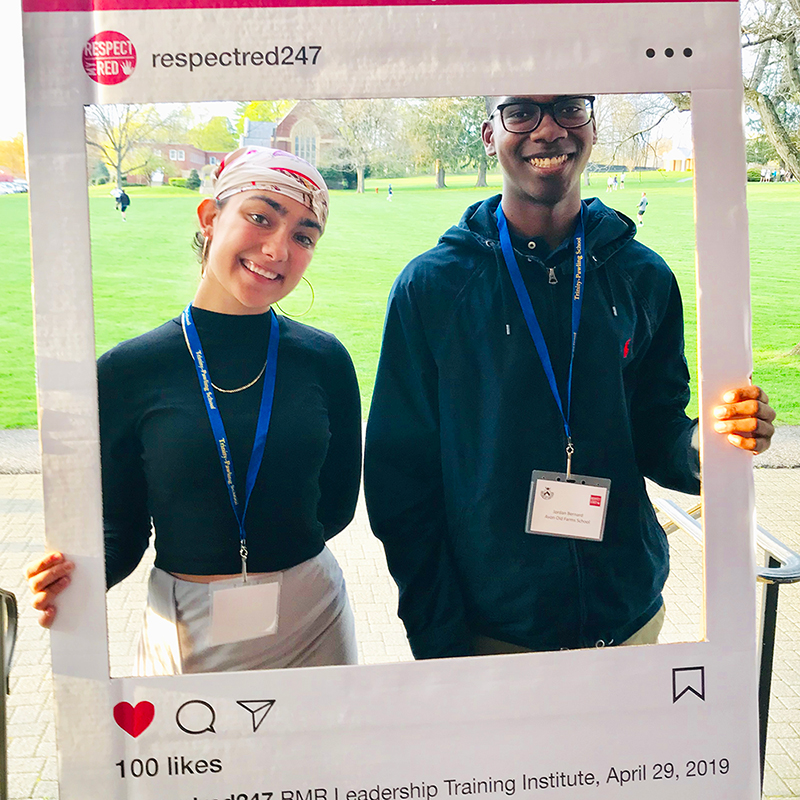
(438, 715)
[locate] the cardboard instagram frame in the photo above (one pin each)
(406, 728)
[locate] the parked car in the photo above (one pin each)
(7, 187)
(20, 186)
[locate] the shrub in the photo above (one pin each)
(753, 174)
(179, 182)
(193, 181)
(336, 178)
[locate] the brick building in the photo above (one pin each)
(186, 157)
(182, 158)
(304, 131)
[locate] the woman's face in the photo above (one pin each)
(260, 244)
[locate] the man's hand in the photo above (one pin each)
(746, 418)
(47, 577)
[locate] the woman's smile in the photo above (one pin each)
(262, 272)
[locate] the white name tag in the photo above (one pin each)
(575, 508)
(243, 612)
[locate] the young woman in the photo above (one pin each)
(238, 433)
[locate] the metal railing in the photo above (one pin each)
(8, 638)
(783, 566)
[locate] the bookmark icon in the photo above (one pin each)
(688, 680)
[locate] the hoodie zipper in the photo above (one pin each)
(574, 547)
(552, 279)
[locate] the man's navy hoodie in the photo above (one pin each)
(462, 414)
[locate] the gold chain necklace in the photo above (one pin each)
(214, 385)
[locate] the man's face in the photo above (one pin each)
(545, 165)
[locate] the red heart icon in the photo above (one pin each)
(134, 720)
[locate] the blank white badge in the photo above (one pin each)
(246, 611)
(575, 508)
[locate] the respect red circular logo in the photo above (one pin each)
(109, 57)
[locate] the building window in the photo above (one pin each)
(212, 160)
(181, 155)
(173, 155)
(305, 136)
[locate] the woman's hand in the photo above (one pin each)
(47, 578)
(746, 419)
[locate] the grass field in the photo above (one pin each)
(145, 272)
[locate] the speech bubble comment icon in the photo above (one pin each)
(134, 719)
(195, 717)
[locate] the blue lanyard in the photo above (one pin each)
(215, 418)
(533, 323)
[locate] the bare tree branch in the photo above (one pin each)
(765, 50)
(681, 100)
(367, 129)
(117, 131)
(779, 36)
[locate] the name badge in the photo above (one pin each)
(244, 611)
(573, 507)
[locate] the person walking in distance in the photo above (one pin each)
(641, 209)
(123, 201)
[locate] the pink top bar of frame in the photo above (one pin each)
(148, 5)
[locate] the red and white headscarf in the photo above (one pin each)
(273, 171)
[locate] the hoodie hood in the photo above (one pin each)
(607, 230)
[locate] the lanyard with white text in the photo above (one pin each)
(533, 323)
(214, 417)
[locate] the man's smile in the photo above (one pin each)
(548, 162)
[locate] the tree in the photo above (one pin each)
(193, 181)
(473, 153)
(440, 127)
(449, 129)
(119, 133)
(216, 135)
(367, 130)
(261, 111)
(177, 120)
(99, 173)
(12, 156)
(760, 150)
(770, 35)
(629, 127)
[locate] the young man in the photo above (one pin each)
(641, 208)
(123, 201)
(466, 407)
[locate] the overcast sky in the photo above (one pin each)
(12, 87)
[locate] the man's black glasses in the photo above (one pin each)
(525, 116)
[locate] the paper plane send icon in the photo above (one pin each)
(258, 710)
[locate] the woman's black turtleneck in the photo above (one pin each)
(160, 460)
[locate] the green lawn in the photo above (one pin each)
(145, 271)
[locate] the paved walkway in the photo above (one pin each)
(32, 751)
